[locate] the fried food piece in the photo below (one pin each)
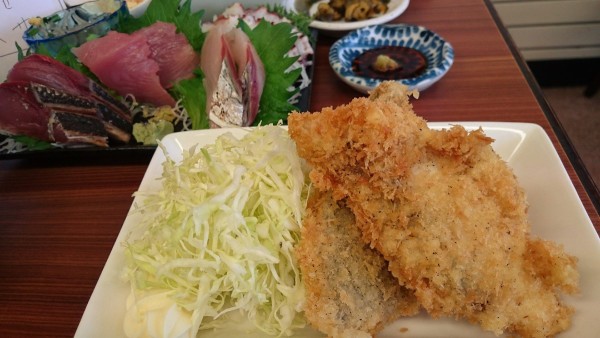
(350, 292)
(444, 210)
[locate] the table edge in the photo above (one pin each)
(582, 173)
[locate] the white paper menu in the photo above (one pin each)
(13, 23)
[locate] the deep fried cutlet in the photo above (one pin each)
(350, 292)
(444, 210)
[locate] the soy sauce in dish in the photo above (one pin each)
(390, 63)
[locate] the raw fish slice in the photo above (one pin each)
(20, 114)
(250, 71)
(175, 56)
(227, 100)
(223, 93)
(23, 113)
(234, 76)
(211, 57)
(71, 128)
(51, 98)
(47, 71)
(44, 70)
(56, 100)
(123, 62)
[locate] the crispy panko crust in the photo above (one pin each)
(349, 290)
(444, 210)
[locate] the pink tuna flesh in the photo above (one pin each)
(175, 56)
(45, 70)
(20, 114)
(123, 62)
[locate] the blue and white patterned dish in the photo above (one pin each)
(439, 53)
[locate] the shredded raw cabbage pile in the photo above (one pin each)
(219, 237)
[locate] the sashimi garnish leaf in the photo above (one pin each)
(187, 22)
(32, 143)
(272, 43)
(193, 98)
(299, 20)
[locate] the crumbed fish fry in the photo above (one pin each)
(444, 209)
(350, 292)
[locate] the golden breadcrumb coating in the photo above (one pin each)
(350, 292)
(444, 210)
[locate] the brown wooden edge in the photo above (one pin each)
(580, 169)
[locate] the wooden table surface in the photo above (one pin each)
(60, 215)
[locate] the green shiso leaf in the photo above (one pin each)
(32, 143)
(299, 20)
(193, 97)
(272, 42)
(186, 21)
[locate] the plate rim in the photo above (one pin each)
(527, 130)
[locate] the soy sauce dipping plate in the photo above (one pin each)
(438, 53)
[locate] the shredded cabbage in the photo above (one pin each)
(219, 237)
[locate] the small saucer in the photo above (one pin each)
(438, 52)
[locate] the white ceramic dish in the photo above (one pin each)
(438, 52)
(395, 8)
(556, 213)
(139, 8)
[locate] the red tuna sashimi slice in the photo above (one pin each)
(20, 114)
(49, 72)
(175, 56)
(123, 62)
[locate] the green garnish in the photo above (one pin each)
(33, 32)
(32, 143)
(20, 54)
(299, 20)
(193, 97)
(169, 11)
(272, 42)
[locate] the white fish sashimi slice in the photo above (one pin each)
(234, 76)
(250, 71)
(225, 106)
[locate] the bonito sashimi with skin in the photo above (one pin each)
(49, 101)
(234, 76)
(49, 115)
(45, 71)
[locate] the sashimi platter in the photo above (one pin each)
(98, 76)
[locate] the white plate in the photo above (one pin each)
(556, 213)
(395, 8)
